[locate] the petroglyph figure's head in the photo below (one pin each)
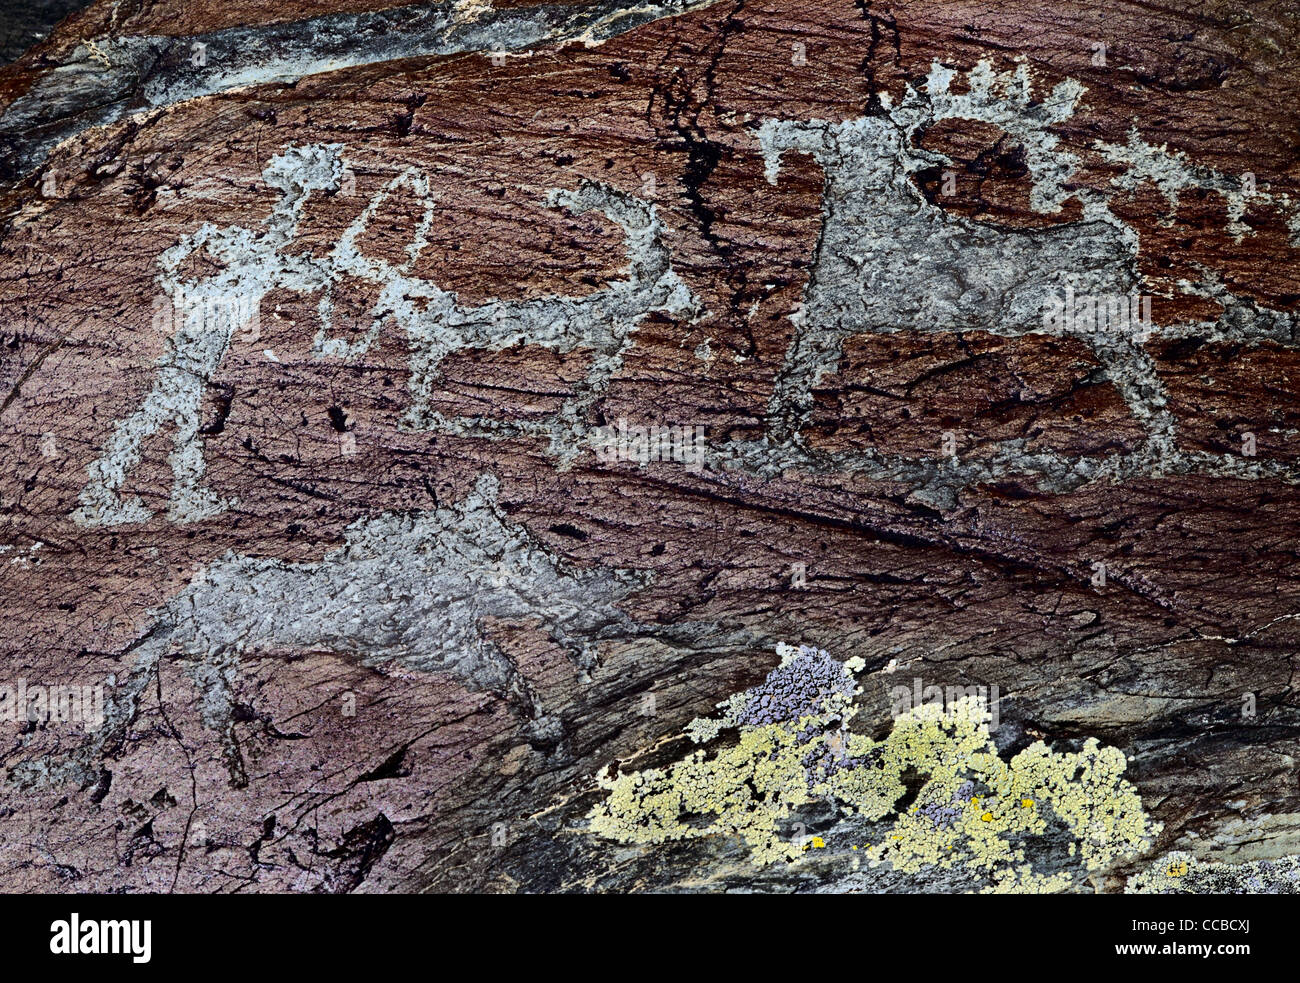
(314, 167)
(296, 173)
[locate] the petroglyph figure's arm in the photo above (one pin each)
(347, 259)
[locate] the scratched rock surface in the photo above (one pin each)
(325, 330)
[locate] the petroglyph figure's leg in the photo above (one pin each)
(864, 199)
(1132, 372)
(652, 286)
(125, 692)
(193, 355)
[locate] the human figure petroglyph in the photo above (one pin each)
(254, 263)
(435, 324)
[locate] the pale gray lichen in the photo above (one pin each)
(1180, 872)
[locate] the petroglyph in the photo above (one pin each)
(407, 588)
(601, 322)
(1172, 173)
(257, 262)
(888, 260)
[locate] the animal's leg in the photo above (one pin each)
(1132, 371)
(121, 706)
(604, 321)
(814, 350)
(426, 357)
(215, 673)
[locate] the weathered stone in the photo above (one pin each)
(334, 340)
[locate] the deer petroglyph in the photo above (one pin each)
(889, 260)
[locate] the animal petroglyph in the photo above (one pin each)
(257, 262)
(407, 588)
(888, 260)
(601, 322)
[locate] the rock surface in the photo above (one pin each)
(329, 334)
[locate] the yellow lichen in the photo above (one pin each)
(96, 53)
(753, 788)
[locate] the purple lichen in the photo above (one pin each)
(828, 757)
(798, 688)
(943, 814)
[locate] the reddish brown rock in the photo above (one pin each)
(277, 740)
